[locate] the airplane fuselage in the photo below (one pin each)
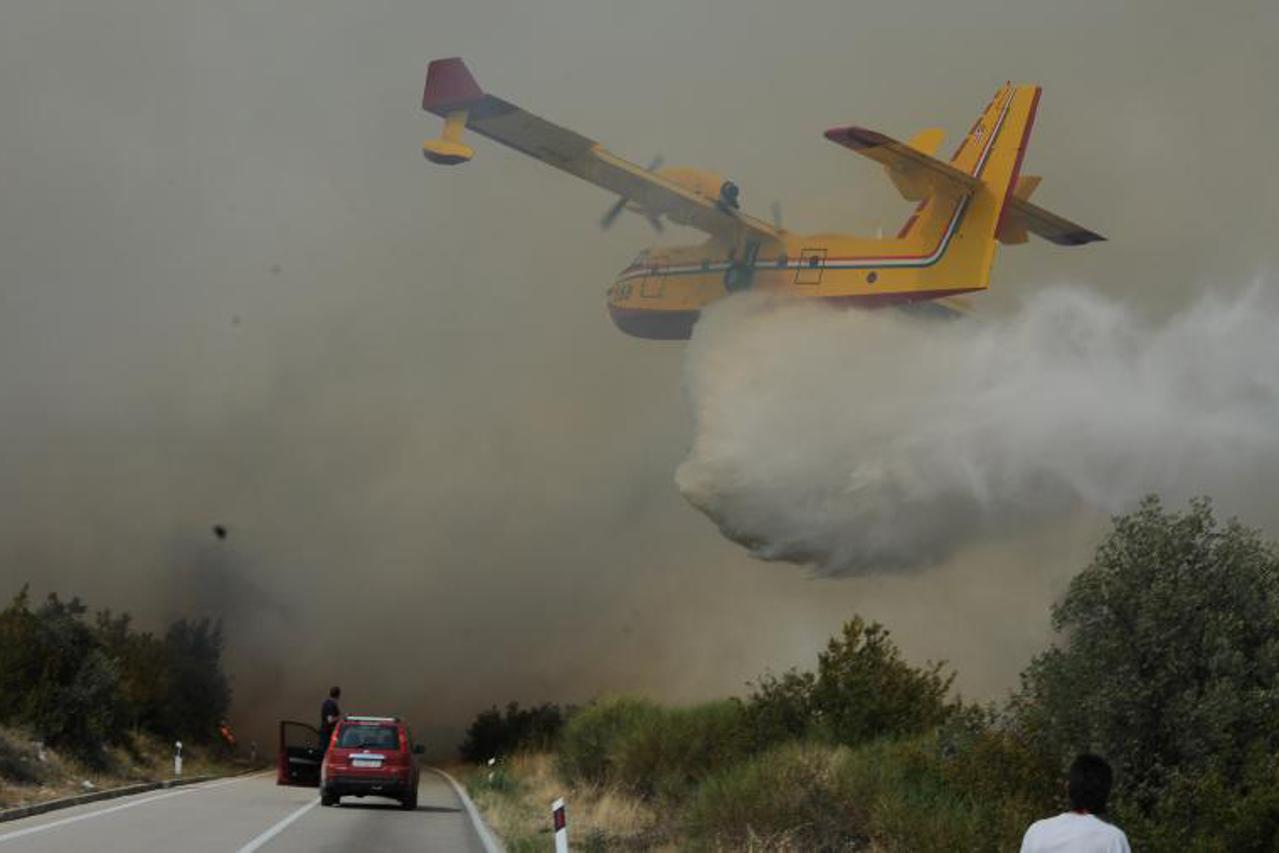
(663, 291)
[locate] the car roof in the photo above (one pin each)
(360, 718)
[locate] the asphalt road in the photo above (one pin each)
(250, 813)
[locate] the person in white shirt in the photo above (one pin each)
(1080, 830)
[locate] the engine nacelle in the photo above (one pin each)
(708, 185)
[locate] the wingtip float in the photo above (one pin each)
(967, 206)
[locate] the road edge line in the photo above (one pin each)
(487, 838)
(19, 812)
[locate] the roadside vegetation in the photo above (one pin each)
(1166, 662)
(88, 698)
(32, 772)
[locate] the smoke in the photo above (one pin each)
(862, 441)
(235, 294)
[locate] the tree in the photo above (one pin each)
(141, 660)
(82, 686)
(198, 691)
(1168, 659)
(862, 690)
(55, 676)
(865, 690)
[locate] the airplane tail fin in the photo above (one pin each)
(970, 194)
(992, 152)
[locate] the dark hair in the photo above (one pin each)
(1089, 786)
(335, 692)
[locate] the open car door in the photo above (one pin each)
(299, 755)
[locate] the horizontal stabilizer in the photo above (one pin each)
(1020, 217)
(1046, 224)
(911, 168)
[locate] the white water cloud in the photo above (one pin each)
(863, 441)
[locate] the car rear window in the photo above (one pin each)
(363, 736)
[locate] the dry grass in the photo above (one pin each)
(31, 775)
(516, 798)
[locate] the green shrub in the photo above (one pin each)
(921, 793)
(862, 690)
(651, 750)
(1205, 811)
(782, 708)
(669, 752)
(788, 795)
(494, 734)
(589, 744)
(990, 762)
(910, 807)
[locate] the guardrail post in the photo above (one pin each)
(177, 758)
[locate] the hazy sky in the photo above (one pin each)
(232, 291)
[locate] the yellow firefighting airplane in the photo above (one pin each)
(966, 205)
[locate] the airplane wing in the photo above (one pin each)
(906, 161)
(450, 89)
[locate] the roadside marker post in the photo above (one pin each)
(177, 758)
(560, 820)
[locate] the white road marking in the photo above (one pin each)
(278, 828)
(8, 836)
(490, 842)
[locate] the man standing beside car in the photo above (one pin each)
(330, 713)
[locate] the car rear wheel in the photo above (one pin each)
(327, 799)
(409, 803)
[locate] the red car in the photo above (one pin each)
(370, 755)
(366, 756)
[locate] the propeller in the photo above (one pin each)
(610, 215)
